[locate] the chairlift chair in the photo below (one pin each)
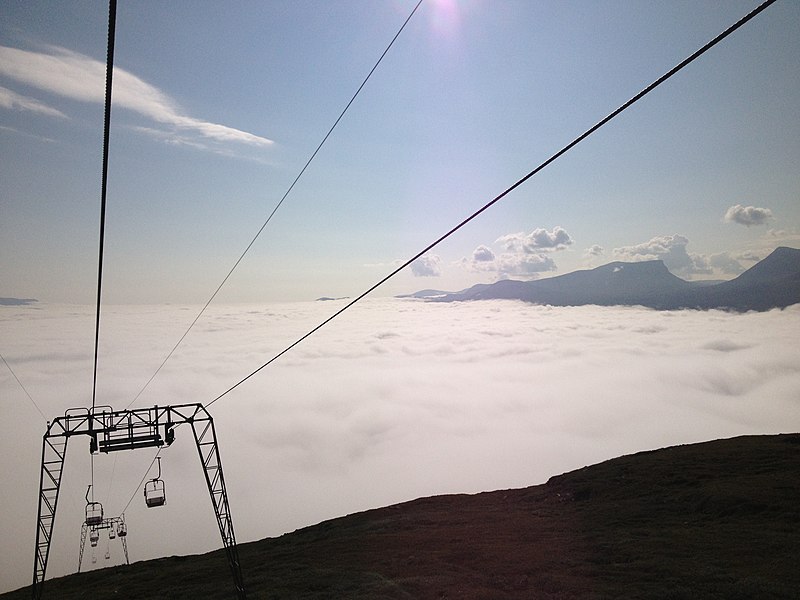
(94, 537)
(122, 530)
(111, 533)
(154, 493)
(94, 511)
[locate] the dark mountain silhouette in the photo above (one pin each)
(425, 294)
(17, 301)
(714, 520)
(772, 283)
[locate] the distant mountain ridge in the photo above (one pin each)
(17, 301)
(773, 282)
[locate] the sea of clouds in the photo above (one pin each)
(394, 400)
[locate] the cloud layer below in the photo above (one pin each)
(394, 400)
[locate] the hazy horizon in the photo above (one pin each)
(376, 294)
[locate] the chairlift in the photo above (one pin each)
(154, 494)
(94, 511)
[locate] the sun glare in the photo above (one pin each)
(445, 18)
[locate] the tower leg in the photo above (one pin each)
(83, 544)
(206, 439)
(125, 548)
(54, 449)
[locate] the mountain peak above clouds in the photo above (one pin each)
(782, 263)
(772, 283)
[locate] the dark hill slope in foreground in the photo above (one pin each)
(713, 520)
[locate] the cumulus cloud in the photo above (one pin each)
(507, 264)
(482, 254)
(726, 263)
(747, 255)
(343, 422)
(536, 241)
(748, 215)
(427, 266)
(781, 237)
(669, 248)
(526, 266)
(524, 255)
(593, 251)
(72, 75)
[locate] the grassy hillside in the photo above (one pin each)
(713, 520)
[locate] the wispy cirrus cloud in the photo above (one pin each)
(14, 101)
(72, 75)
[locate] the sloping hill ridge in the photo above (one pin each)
(771, 283)
(714, 520)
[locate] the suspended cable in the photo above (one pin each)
(14, 375)
(280, 202)
(44, 418)
(112, 19)
(112, 26)
(503, 194)
(136, 491)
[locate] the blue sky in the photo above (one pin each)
(219, 105)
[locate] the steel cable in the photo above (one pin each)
(508, 190)
(278, 205)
